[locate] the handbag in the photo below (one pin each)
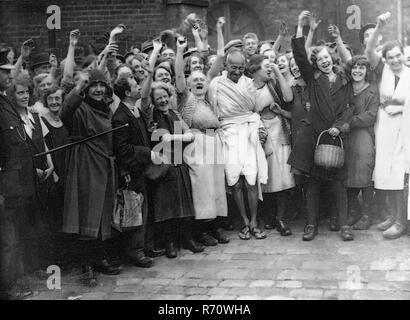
(127, 213)
(155, 172)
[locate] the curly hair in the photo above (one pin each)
(157, 85)
(359, 60)
(316, 51)
(51, 91)
(23, 81)
(255, 63)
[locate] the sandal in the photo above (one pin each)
(245, 233)
(258, 234)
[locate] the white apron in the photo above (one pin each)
(390, 164)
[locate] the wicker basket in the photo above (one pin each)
(329, 156)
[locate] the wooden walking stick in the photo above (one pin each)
(69, 145)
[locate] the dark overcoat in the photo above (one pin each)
(131, 146)
(330, 108)
(90, 181)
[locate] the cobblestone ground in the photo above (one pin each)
(276, 268)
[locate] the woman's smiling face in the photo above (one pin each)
(359, 73)
(324, 61)
(161, 99)
(162, 75)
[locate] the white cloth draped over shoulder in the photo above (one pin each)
(235, 104)
(390, 163)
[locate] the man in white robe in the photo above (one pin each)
(232, 98)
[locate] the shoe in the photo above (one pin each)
(105, 267)
(245, 233)
(363, 224)
(227, 225)
(383, 226)
(310, 233)
(258, 234)
(346, 233)
(219, 236)
(395, 231)
(171, 250)
(353, 217)
(207, 240)
(269, 226)
(334, 224)
(283, 228)
(155, 253)
(141, 260)
(89, 277)
(192, 246)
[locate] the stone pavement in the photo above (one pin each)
(276, 268)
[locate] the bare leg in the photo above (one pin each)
(237, 191)
(253, 203)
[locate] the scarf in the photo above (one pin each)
(230, 99)
(102, 105)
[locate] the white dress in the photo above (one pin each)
(277, 150)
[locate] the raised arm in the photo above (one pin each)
(157, 43)
(218, 65)
(197, 38)
(371, 47)
(283, 33)
(73, 101)
(220, 36)
(283, 84)
(25, 52)
(314, 24)
(179, 64)
(345, 54)
(68, 73)
(299, 51)
(54, 66)
(146, 92)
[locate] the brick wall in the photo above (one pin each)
(23, 19)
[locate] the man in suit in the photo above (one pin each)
(133, 154)
(17, 188)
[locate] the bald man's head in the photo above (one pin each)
(236, 57)
(235, 65)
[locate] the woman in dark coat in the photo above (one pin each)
(172, 199)
(329, 93)
(17, 191)
(38, 231)
(360, 147)
(90, 189)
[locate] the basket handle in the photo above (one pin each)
(320, 136)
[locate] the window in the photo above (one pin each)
(240, 20)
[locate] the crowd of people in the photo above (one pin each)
(182, 128)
